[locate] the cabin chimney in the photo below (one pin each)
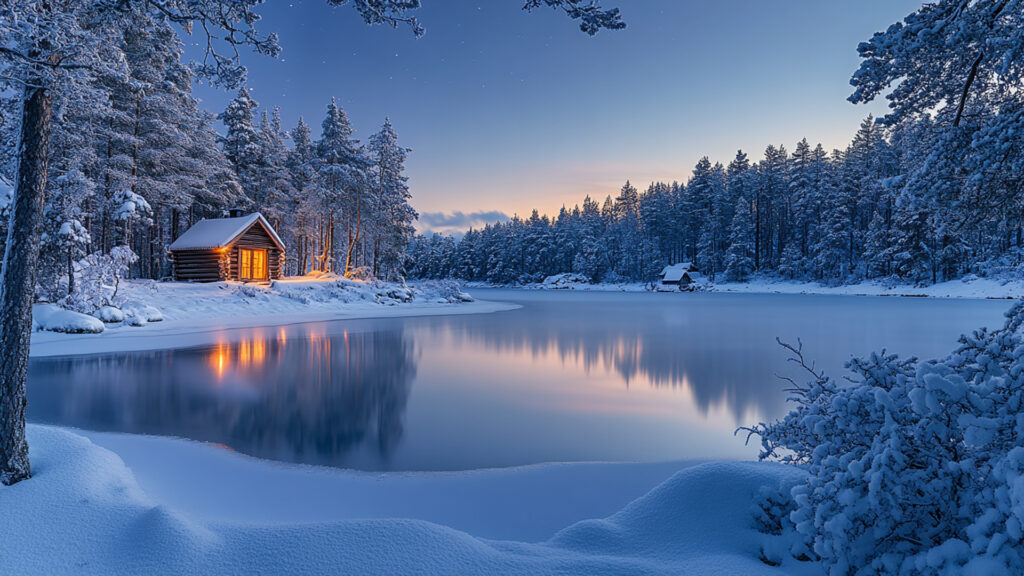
(235, 213)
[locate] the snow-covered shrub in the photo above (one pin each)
(109, 315)
(565, 281)
(772, 518)
(394, 294)
(361, 274)
(98, 277)
(914, 467)
(442, 290)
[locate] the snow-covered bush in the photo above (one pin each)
(914, 467)
(98, 279)
(109, 315)
(361, 274)
(392, 294)
(566, 281)
(443, 291)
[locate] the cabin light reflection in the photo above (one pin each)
(220, 358)
(262, 351)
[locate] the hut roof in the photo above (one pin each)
(210, 233)
(675, 272)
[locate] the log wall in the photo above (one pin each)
(199, 265)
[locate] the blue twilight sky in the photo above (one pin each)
(506, 111)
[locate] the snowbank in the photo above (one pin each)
(53, 318)
(175, 314)
(528, 503)
(85, 512)
(967, 287)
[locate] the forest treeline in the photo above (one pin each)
(135, 161)
(887, 206)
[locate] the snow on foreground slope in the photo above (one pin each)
(84, 513)
(199, 314)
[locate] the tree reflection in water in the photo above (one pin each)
(719, 357)
(323, 398)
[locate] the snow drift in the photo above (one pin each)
(85, 513)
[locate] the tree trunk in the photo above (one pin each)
(18, 282)
(71, 271)
(353, 238)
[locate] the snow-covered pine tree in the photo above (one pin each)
(343, 170)
(302, 172)
(241, 141)
(275, 195)
(392, 215)
(739, 260)
(65, 238)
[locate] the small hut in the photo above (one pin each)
(682, 275)
(242, 248)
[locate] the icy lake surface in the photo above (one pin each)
(568, 377)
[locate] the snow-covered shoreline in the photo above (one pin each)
(205, 314)
(968, 287)
(89, 510)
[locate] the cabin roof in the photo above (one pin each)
(675, 272)
(210, 233)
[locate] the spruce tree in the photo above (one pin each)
(739, 261)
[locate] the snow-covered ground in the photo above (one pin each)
(176, 507)
(967, 287)
(200, 314)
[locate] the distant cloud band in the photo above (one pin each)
(439, 221)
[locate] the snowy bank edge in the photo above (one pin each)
(190, 333)
(977, 288)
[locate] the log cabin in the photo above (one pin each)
(240, 248)
(682, 275)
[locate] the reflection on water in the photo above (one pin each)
(643, 350)
(567, 377)
(314, 399)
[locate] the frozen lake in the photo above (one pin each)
(569, 377)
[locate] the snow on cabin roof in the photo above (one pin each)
(218, 232)
(675, 272)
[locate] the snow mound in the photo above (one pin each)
(109, 315)
(84, 513)
(53, 318)
(138, 313)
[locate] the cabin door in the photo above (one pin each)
(252, 264)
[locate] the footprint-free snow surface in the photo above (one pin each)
(84, 512)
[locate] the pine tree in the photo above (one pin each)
(342, 167)
(739, 261)
(242, 140)
(393, 216)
